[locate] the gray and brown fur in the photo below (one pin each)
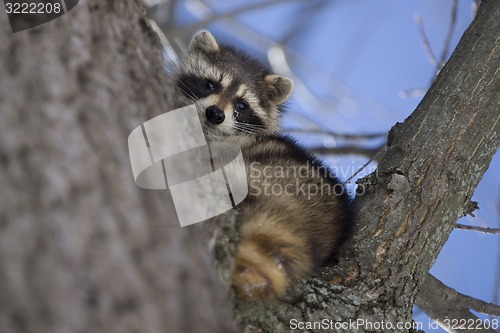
(237, 79)
(283, 236)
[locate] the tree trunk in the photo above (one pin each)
(82, 248)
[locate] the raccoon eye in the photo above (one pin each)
(209, 85)
(241, 105)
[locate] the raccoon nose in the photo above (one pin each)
(215, 115)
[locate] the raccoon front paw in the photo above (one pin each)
(260, 279)
(247, 282)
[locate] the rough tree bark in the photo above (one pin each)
(82, 249)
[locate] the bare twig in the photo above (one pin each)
(425, 41)
(480, 229)
(412, 93)
(192, 28)
(474, 7)
(449, 34)
(277, 57)
(337, 134)
(374, 158)
(437, 63)
(345, 150)
(171, 54)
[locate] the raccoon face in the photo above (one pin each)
(233, 93)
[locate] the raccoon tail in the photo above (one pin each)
(269, 256)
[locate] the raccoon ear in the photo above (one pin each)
(278, 87)
(203, 41)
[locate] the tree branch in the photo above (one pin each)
(480, 229)
(443, 303)
(434, 162)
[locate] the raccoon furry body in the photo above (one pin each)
(293, 221)
(286, 233)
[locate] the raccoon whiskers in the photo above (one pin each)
(211, 135)
(187, 91)
(248, 128)
(243, 129)
(251, 124)
(255, 126)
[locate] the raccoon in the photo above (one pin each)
(287, 232)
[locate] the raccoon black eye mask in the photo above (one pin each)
(293, 223)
